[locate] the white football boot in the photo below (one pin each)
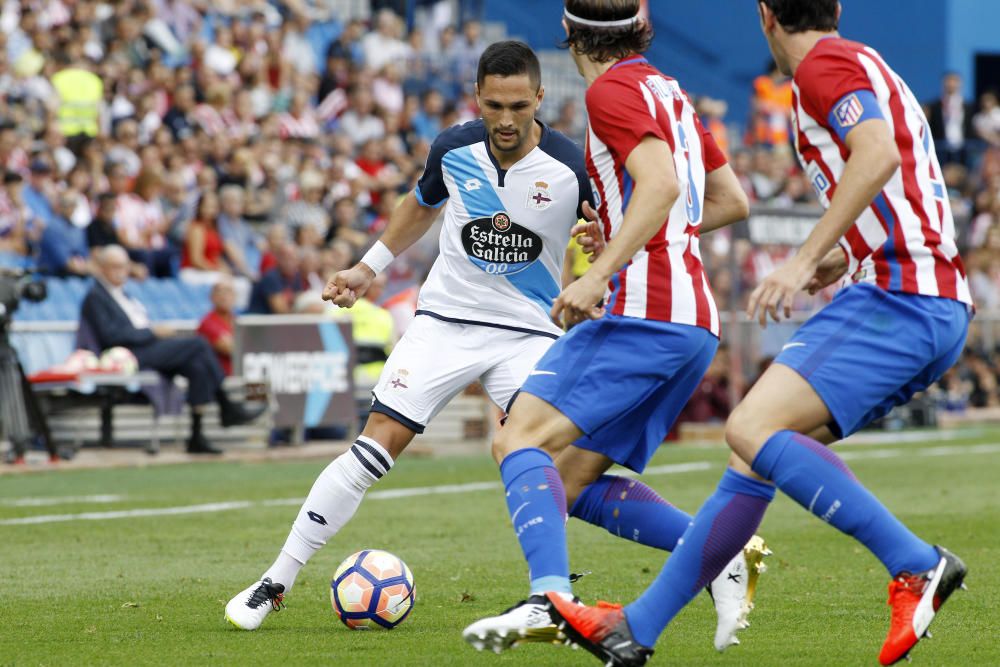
(528, 621)
(249, 608)
(733, 590)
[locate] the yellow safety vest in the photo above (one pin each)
(372, 328)
(80, 95)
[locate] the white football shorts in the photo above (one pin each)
(435, 360)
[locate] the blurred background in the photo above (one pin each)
(243, 152)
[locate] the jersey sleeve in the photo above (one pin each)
(431, 190)
(713, 156)
(621, 117)
(834, 88)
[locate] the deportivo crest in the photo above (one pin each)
(399, 379)
(849, 111)
(539, 197)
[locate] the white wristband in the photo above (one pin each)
(378, 257)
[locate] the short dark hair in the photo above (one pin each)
(607, 44)
(510, 58)
(802, 15)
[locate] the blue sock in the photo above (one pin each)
(537, 504)
(814, 477)
(630, 509)
(722, 527)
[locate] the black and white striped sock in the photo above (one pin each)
(332, 501)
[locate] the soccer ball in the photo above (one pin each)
(372, 589)
(81, 361)
(119, 360)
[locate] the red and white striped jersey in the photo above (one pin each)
(665, 280)
(904, 241)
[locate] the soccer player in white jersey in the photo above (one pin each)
(614, 385)
(514, 190)
(898, 325)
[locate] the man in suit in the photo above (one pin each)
(950, 120)
(117, 319)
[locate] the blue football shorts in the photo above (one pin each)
(623, 381)
(870, 350)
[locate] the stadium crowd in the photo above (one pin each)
(267, 142)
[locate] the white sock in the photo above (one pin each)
(332, 501)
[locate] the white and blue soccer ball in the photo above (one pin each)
(372, 589)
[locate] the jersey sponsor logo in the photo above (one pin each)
(500, 246)
(473, 184)
(501, 221)
(849, 111)
(539, 197)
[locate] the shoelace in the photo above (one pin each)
(601, 604)
(263, 594)
(906, 584)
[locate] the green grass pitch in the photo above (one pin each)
(150, 590)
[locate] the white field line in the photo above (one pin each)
(459, 488)
(60, 500)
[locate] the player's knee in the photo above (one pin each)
(500, 447)
(745, 433)
(387, 432)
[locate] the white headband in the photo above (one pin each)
(601, 24)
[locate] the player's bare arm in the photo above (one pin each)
(408, 223)
(656, 190)
(725, 200)
(874, 158)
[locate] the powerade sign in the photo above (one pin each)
(500, 246)
(307, 361)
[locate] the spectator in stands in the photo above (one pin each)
(359, 123)
(206, 256)
(38, 196)
(427, 120)
(80, 95)
(13, 216)
(114, 318)
(178, 117)
(102, 230)
(242, 247)
(125, 150)
(347, 224)
(217, 326)
(299, 122)
(950, 118)
(987, 121)
(308, 208)
(383, 44)
(277, 289)
(63, 249)
(467, 50)
(771, 108)
(276, 236)
(178, 206)
(139, 219)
